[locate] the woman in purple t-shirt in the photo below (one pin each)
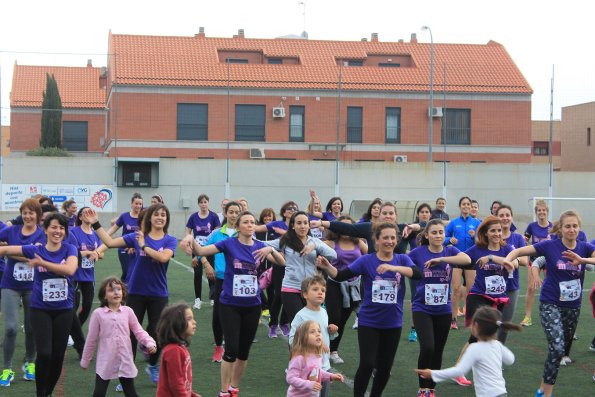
(200, 225)
(431, 305)
(147, 283)
(128, 221)
(561, 292)
(52, 296)
(240, 297)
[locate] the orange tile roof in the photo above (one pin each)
(78, 86)
(194, 62)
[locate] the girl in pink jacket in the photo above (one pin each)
(304, 373)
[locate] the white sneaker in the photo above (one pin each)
(212, 302)
(355, 324)
(70, 341)
(565, 361)
(119, 388)
(334, 357)
(197, 304)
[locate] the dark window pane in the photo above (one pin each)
(456, 127)
(236, 60)
(193, 121)
(393, 125)
(250, 122)
(296, 124)
(275, 61)
(75, 136)
(389, 65)
(354, 125)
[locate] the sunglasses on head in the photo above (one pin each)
(292, 208)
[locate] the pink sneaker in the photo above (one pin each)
(462, 381)
(217, 354)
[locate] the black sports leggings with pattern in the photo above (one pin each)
(559, 324)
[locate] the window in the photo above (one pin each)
(236, 60)
(75, 136)
(588, 136)
(275, 61)
(541, 148)
(389, 65)
(193, 121)
(353, 62)
(138, 173)
(393, 125)
(354, 124)
(456, 127)
(250, 122)
(296, 124)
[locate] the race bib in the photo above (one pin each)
(55, 290)
(22, 272)
(436, 294)
(87, 263)
(316, 232)
(570, 290)
(384, 291)
(201, 240)
(495, 285)
(244, 285)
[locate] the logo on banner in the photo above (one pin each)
(101, 198)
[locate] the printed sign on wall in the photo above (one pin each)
(98, 197)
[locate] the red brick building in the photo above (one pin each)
(207, 97)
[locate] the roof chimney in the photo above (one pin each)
(241, 33)
(401, 41)
(413, 38)
(201, 32)
(374, 37)
(89, 63)
(364, 39)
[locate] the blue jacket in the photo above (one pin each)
(463, 230)
(216, 236)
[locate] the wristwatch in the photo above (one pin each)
(490, 258)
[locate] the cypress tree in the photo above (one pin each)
(51, 115)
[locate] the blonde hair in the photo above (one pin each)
(541, 203)
(300, 346)
(557, 225)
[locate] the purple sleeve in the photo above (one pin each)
(216, 222)
(29, 251)
(190, 223)
(130, 240)
(120, 220)
(222, 245)
(172, 244)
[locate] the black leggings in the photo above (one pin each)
(216, 321)
(275, 303)
(101, 386)
(292, 303)
(198, 271)
(124, 258)
(432, 333)
(239, 328)
(337, 314)
(84, 290)
(51, 328)
(153, 306)
(377, 349)
(473, 303)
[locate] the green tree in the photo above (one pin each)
(51, 115)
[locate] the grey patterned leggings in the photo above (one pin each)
(559, 324)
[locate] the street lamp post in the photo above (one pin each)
(431, 110)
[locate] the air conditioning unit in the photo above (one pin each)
(400, 158)
(256, 153)
(435, 112)
(278, 112)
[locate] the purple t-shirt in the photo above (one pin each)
(538, 233)
(85, 242)
(328, 216)
(200, 227)
(490, 279)
(50, 290)
(278, 224)
(149, 277)
(382, 305)
(240, 281)
(432, 295)
(563, 284)
(19, 276)
(128, 224)
(515, 241)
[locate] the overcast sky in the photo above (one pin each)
(536, 35)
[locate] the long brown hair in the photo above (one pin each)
(300, 347)
(488, 321)
(146, 218)
(481, 234)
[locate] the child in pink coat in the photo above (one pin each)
(305, 373)
(110, 326)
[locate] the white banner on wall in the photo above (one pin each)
(98, 197)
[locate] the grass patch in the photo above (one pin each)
(265, 376)
(49, 152)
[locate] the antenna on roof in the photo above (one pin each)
(303, 4)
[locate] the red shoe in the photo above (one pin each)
(453, 324)
(233, 391)
(217, 354)
(462, 381)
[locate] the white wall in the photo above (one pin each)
(269, 183)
